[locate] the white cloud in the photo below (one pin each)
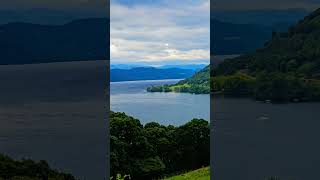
(175, 32)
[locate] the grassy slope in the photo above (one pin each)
(200, 174)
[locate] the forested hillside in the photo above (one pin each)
(199, 84)
(286, 69)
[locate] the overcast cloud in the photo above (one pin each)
(167, 32)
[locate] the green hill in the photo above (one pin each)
(200, 174)
(199, 83)
(287, 68)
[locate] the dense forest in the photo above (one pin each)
(29, 170)
(152, 151)
(286, 69)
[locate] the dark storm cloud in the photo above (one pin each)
(265, 4)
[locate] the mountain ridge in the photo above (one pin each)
(25, 43)
(149, 73)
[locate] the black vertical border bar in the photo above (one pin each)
(107, 96)
(212, 121)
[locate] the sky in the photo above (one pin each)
(160, 32)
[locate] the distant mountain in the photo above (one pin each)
(49, 16)
(125, 66)
(148, 73)
(24, 43)
(195, 67)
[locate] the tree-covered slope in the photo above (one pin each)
(199, 83)
(287, 68)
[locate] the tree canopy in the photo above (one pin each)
(152, 150)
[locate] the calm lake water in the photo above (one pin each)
(132, 98)
(55, 112)
(253, 140)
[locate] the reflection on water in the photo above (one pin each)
(165, 108)
(255, 140)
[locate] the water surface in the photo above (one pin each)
(132, 98)
(253, 140)
(55, 112)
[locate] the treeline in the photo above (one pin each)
(277, 87)
(198, 84)
(152, 151)
(29, 170)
